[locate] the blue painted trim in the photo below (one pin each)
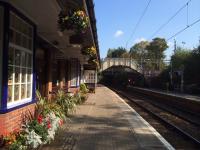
(16, 107)
(34, 65)
(77, 73)
(7, 8)
(5, 58)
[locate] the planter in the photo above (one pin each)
(73, 20)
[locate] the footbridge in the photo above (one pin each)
(126, 62)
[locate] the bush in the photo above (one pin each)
(41, 128)
(66, 101)
(44, 107)
(83, 88)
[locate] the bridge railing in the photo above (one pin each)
(129, 62)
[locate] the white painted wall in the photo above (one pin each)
(87, 76)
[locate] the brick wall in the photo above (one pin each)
(13, 120)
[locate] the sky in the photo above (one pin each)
(116, 20)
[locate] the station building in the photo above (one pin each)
(36, 55)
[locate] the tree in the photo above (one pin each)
(138, 50)
(109, 53)
(180, 57)
(156, 50)
(139, 53)
(119, 52)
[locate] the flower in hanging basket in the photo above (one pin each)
(77, 20)
(90, 51)
(93, 61)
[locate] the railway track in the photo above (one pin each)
(167, 118)
(185, 115)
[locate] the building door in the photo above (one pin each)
(41, 70)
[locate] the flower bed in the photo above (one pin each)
(41, 128)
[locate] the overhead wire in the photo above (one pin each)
(171, 18)
(188, 26)
(138, 23)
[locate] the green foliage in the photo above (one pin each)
(43, 106)
(73, 20)
(16, 141)
(39, 129)
(83, 97)
(149, 55)
(119, 52)
(139, 51)
(156, 50)
(183, 59)
(180, 58)
(83, 88)
(190, 60)
(66, 101)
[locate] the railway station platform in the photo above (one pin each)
(174, 94)
(106, 122)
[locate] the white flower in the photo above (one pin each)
(33, 139)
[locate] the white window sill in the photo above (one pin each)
(18, 103)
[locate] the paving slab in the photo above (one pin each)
(106, 122)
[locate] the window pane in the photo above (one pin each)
(19, 24)
(20, 60)
(12, 21)
(18, 38)
(30, 44)
(26, 29)
(29, 90)
(24, 41)
(29, 75)
(29, 60)
(23, 75)
(17, 74)
(30, 33)
(10, 93)
(11, 54)
(12, 36)
(23, 59)
(23, 91)
(17, 57)
(10, 75)
(16, 93)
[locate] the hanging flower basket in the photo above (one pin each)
(76, 20)
(90, 51)
(93, 61)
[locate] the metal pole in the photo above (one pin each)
(171, 81)
(174, 46)
(182, 79)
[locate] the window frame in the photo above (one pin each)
(74, 62)
(1, 50)
(4, 107)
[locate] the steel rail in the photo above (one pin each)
(165, 122)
